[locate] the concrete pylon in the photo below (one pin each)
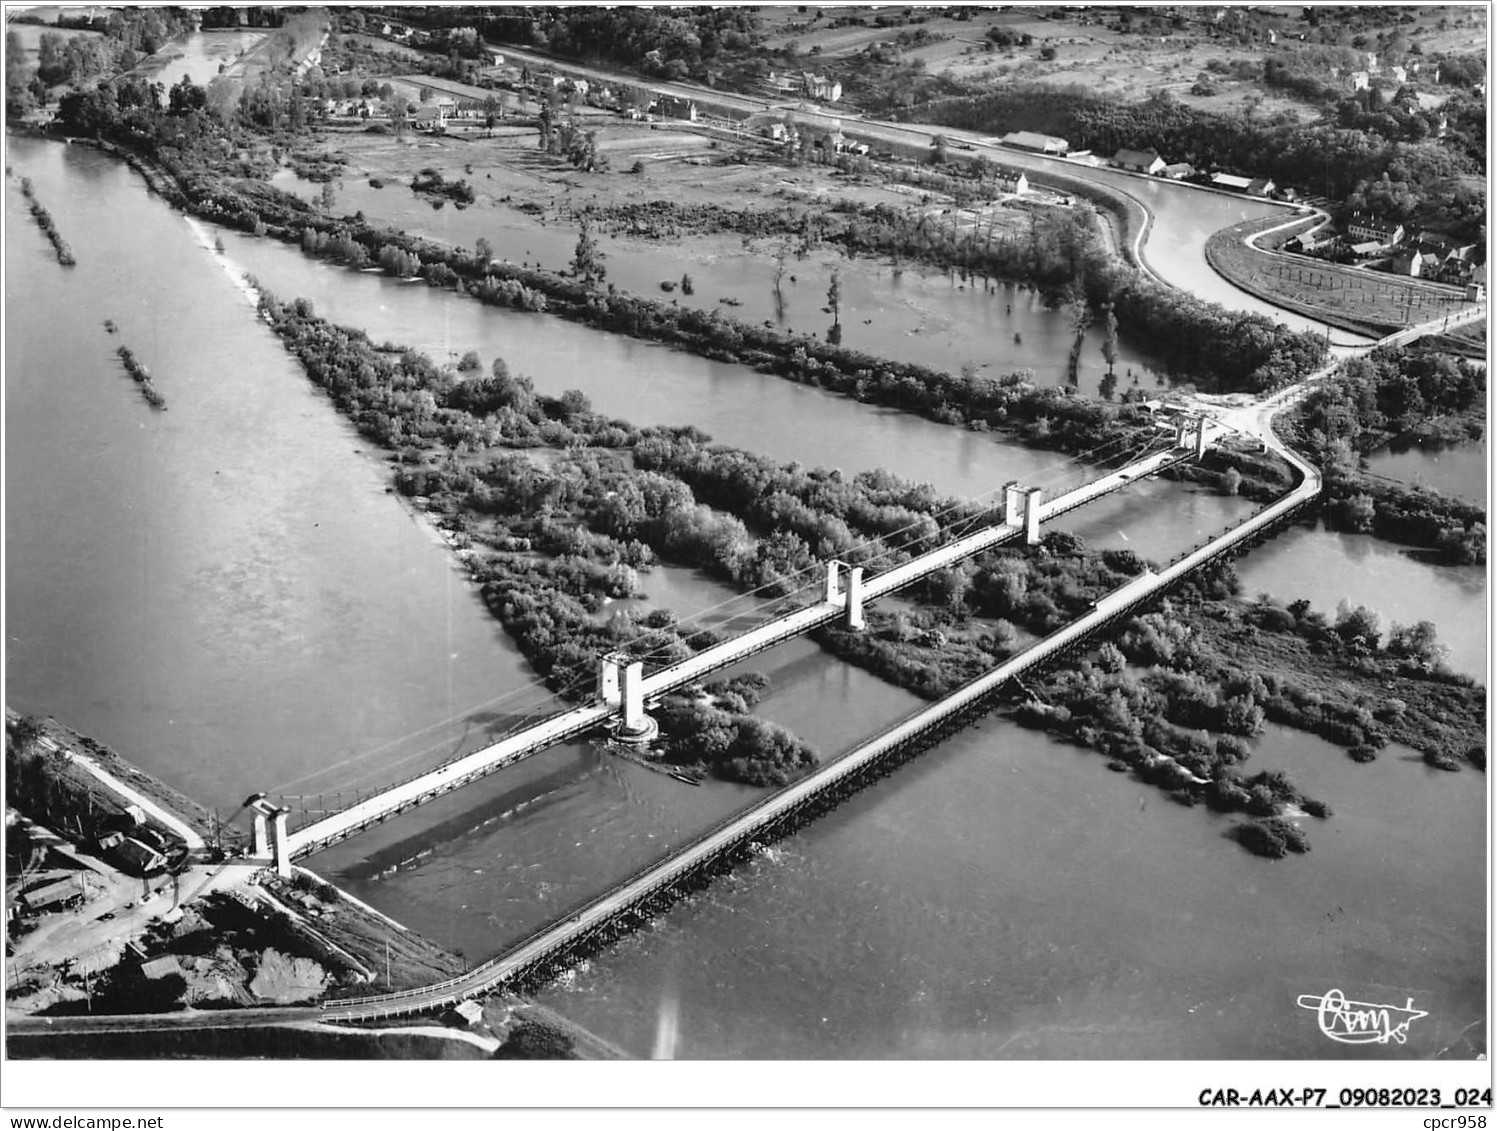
(608, 679)
(853, 615)
(833, 590)
(1182, 426)
(1032, 514)
(1013, 504)
(632, 693)
(260, 847)
(280, 843)
(1200, 436)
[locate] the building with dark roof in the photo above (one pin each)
(1139, 161)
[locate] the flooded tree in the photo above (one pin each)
(587, 259)
(834, 304)
(1110, 342)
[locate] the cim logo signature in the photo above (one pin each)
(1360, 1022)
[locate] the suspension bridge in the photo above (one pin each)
(623, 689)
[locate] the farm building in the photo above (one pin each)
(1178, 172)
(133, 856)
(1231, 182)
(1259, 186)
(1138, 161)
(49, 895)
(1039, 143)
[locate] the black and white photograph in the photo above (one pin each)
(858, 537)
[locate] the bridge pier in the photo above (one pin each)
(1032, 514)
(1200, 437)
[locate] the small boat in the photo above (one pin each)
(689, 779)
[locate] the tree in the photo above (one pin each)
(399, 105)
(327, 197)
(587, 259)
(1110, 342)
(834, 303)
(493, 110)
(1359, 627)
(938, 146)
(1418, 642)
(546, 121)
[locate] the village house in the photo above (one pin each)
(820, 87)
(431, 117)
(1011, 183)
(1039, 143)
(1139, 161)
(669, 106)
(1408, 262)
(1178, 172)
(1360, 80)
(1385, 232)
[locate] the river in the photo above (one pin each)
(227, 594)
(1457, 470)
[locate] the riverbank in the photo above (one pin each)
(74, 795)
(230, 936)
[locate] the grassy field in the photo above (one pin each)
(1344, 296)
(1090, 50)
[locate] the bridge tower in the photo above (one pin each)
(280, 842)
(272, 839)
(1190, 431)
(1032, 499)
(1013, 504)
(851, 602)
(621, 684)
